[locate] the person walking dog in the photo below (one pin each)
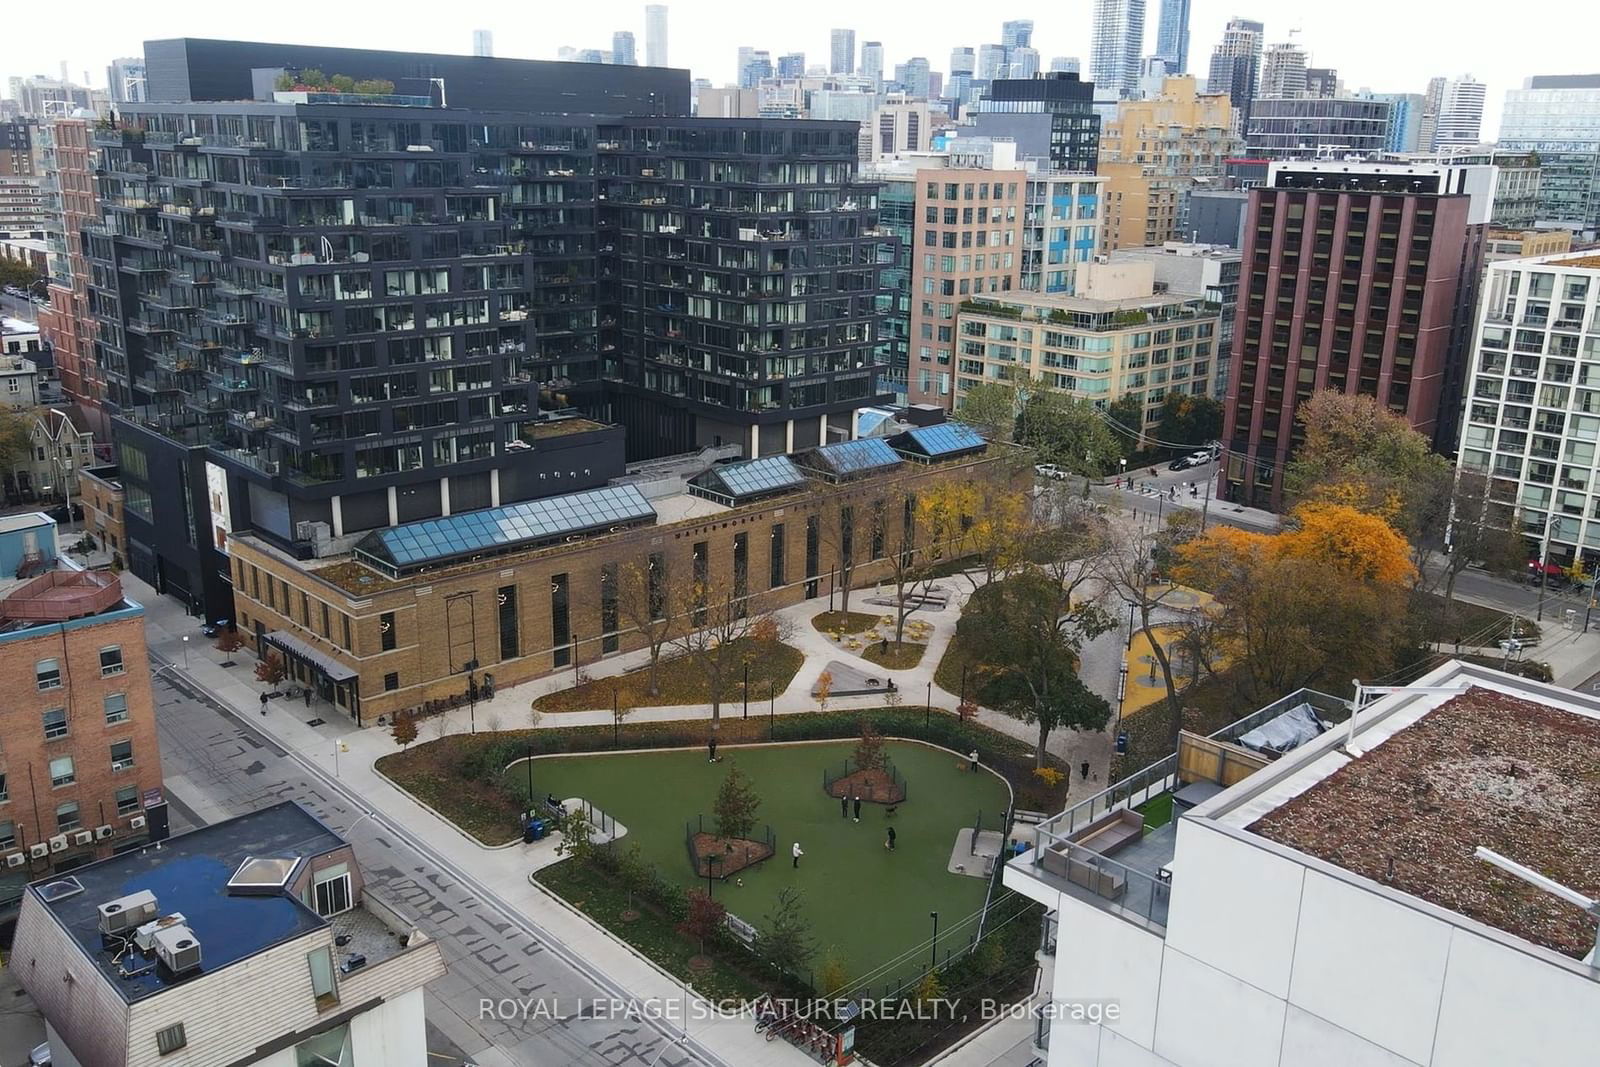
(889, 841)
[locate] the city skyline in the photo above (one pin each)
(1414, 47)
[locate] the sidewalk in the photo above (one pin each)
(340, 749)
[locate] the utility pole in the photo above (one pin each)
(1544, 564)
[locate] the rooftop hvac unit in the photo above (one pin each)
(39, 850)
(145, 935)
(126, 913)
(82, 837)
(58, 843)
(16, 859)
(178, 949)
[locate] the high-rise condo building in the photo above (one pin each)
(1051, 117)
(1283, 71)
(1359, 278)
(1432, 103)
(1236, 66)
(792, 65)
(1298, 127)
(1116, 47)
(1017, 33)
(655, 35)
(1558, 117)
(1460, 114)
(1172, 35)
(871, 61)
(483, 43)
(1065, 65)
(65, 321)
(623, 49)
(842, 52)
(963, 61)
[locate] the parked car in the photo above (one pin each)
(1049, 470)
(40, 1056)
(1510, 644)
(1182, 463)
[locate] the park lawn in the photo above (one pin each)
(870, 904)
(898, 656)
(682, 681)
(850, 622)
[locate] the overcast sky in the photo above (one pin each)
(1385, 45)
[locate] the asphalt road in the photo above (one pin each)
(217, 766)
(16, 308)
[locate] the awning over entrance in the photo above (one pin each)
(336, 671)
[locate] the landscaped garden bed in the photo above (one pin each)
(681, 680)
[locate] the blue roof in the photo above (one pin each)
(848, 458)
(940, 442)
(472, 533)
(189, 875)
(752, 478)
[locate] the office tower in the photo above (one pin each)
(483, 43)
(655, 35)
(1405, 121)
(1172, 35)
(1017, 33)
(1460, 114)
(991, 62)
(792, 65)
(915, 78)
(1286, 127)
(1148, 187)
(126, 80)
(900, 125)
(351, 359)
(1558, 118)
(1052, 119)
(1064, 65)
(1432, 103)
(842, 52)
(963, 61)
(1360, 278)
(871, 61)
(1116, 46)
(755, 64)
(1024, 63)
(623, 52)
(187, 68)
(1236, 64)
(1283, 71)
(66, 322)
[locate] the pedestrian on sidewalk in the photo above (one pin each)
(1083, 769)
(797, 852)
(858, 807)
(844, 805)
(711, 749)
(889, 841)
(263, 703)
(972, 761)
(307, 692)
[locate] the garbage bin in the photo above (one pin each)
(539, 828)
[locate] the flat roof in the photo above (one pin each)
(1504, 764)
(189, 875)
(1087, 304)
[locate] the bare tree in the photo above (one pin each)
(1130, 574)
(715, 645)
(839, 526)
(644, 603)
(910, 567)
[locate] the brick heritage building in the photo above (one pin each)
(79, 754)
(525, 590)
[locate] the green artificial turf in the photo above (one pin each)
(870, 904)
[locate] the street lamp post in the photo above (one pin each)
(1131, 606)
(964, 667)
(747, 689)
(711, 861)
(574, 658)
(530, 775)
(185, 651)
(616, 721)
(1122, 690)
(772, 710)
(934, 960)
(927, 708)
(1544, 563)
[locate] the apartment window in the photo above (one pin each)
(331, 890)
(656, 580)
(775, 577)
(510, 639)
(55, 724)
(67, 816)
(560, 621)
(347, 643)
(608, 608)
(116, 705)
(877, 530)
(110, 661)
(321, 964)
(255, 583)
(121, 755)
(128, 800)
(325, 621)
(62, 772)
(305, 610)
(391, 681)
(47, 673)
(386, 635)
(171, 1039)
(8, 834)
(5, 794)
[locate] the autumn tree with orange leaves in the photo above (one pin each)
(1318, 604)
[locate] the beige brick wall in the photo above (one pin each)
(428, 648)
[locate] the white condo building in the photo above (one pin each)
(1328, 908)
(1532, 411)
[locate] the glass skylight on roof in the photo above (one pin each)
(418, 544)
(942, 441)
(857, 457)
(752, 478)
